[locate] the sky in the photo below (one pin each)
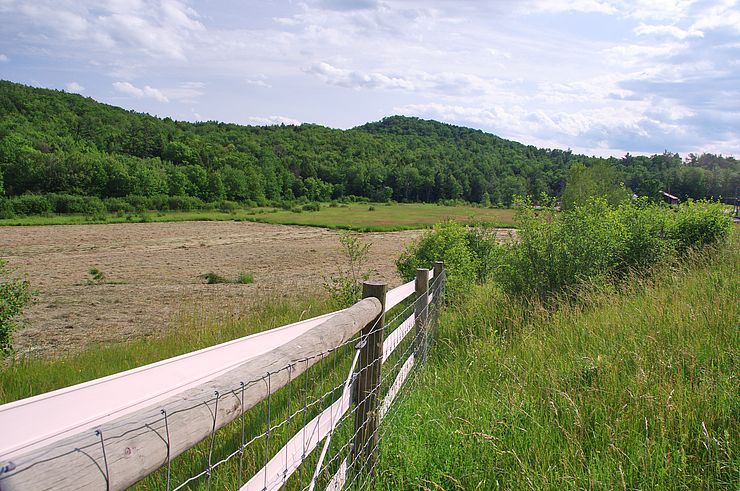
(601, 77)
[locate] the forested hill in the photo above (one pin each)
(55, 142)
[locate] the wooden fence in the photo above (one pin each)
(116, 448)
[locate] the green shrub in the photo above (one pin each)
(118, 205)
(698, 223)
(15, 294)
(184, 203)
(245, 278)
(648, 242)
(449, 242)
(159, 202)
(371, 208)
(212, 278)
(140, 203)
(595, 241)
(311, 207)
(91, 206)
(31, 204)
(97, 277)
(6, 208)
(227, 206)
(482, 243)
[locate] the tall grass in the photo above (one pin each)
(634, 386)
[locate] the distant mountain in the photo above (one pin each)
(55, 142)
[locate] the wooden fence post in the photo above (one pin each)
(421, 310)
(368, 382)
(439, 266)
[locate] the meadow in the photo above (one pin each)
(598, 350)
(630, 388)
(361, 217)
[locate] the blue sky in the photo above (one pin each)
(598, 76)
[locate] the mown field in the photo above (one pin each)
(634, 388)
(362, 217)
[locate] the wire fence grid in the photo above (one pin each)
(305, 435)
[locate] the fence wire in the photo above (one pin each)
(303, 436)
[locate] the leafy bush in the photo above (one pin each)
(159, 202)
(97, 277)
(6, 208)
(648, 240)
(140, 203)
(451, 242)
(560, 251)
(118, 205)
(31, 204)
(91, 206)
(245, 278)
(214, 278)
(699, 223)
(311, 207)
(184, 203)
(227, 206)
(15, 294)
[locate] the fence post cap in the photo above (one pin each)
(375, 283)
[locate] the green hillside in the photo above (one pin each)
(55, 142)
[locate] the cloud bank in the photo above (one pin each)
(598, 76)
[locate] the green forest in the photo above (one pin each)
(65, 153)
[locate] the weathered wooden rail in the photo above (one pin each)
(117, 444)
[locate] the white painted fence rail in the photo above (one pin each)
(108, 433)
(64, 412)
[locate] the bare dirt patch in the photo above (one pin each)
(153, 273)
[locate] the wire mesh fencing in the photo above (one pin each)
(318, 426)
(312, 434)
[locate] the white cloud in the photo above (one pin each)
(649, 56)
(667, 30)
(498, 53)
(725, 14)
(554, 6)
(184, 92)
(4, 58)
(357, 80)
(579, 73)
(74, 87)
(260, 80)
(271, 120)
(154, 28)
(139, 93)
(449, 83)
(669, 10)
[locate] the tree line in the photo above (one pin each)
(52, 142)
